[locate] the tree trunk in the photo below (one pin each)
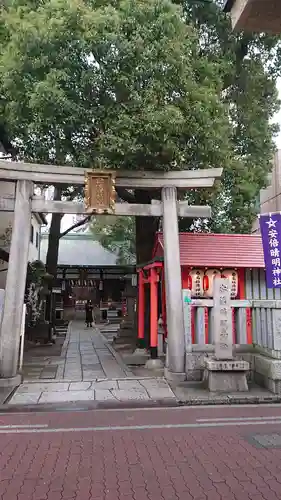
(53, 245)
(52, 259)
(146, 228)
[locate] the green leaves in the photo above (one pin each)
(142, 85)
(248, 66)
(117, 234)
(119, 85)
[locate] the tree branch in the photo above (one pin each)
(5, 140)
(122, 193)
(77, 224)
(125, 195)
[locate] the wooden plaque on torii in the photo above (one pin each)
(100, 191)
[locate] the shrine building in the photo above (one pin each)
(204, 257)
(87, 270)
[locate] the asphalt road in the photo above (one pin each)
(211, 453)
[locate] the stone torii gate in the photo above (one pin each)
(100, 187)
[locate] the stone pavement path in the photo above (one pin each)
(85, 355)
(116, 390)
(88, 356)
(168, 454)
(90, 370)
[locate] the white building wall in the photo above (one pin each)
(34, 245)
(270, 198)
(7, 190)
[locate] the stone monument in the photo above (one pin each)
(127, 332)
(224, 373)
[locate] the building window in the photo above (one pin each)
(32, 234)
(37, 239)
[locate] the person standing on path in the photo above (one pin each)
(89, 313)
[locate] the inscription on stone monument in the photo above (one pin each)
(222, 319)
(100, 191)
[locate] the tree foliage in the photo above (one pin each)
(249, 67)
(118, 235)
(141, 85)
(118, 83)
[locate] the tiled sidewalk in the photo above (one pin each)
(164, 454)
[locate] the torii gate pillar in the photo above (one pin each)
(175, 369)
(15, 285)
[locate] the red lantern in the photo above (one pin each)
(206, 283)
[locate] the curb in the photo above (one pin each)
(230, 401)
(134, 405)
(90, 405)
(10, 395)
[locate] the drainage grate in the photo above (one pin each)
(265, 440)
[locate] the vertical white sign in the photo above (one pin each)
(186, 298)
(22, 334)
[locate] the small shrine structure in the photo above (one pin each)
(255, 309)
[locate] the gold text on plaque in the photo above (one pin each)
(100, 191)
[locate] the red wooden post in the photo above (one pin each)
(206, 325)
(153, 312)
(164, 317)
(249, 326)
(141, 310)
(242, 295)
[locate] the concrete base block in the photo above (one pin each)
(273, 386)
(123, 340)
(233, 365)
(248, 357)
(126, 331)
(264, 369)
(267, 372)
(226, 376)
(140, 352)
(154, 364)
(138, 358)
(11, 381)
(194, 365)
(225, 381)
(174, 377)
(195, 362)
(160, 345)
(268, 367)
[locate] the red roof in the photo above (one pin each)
(217, 250)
